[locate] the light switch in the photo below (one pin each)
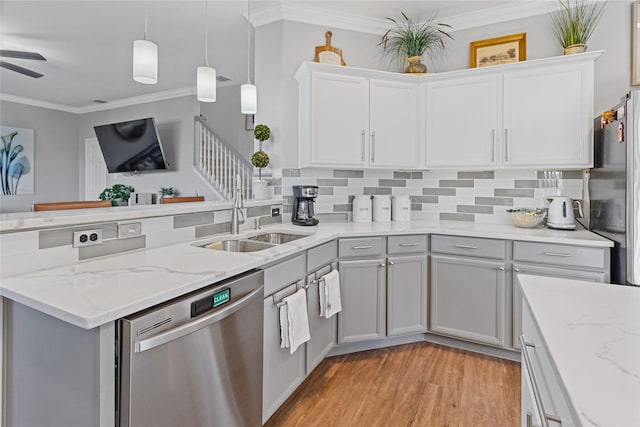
(131, 229)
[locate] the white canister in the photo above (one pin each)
(381, 208)
(401, 208)
(361, 209)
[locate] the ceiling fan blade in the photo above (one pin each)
(21, 70)
(20, 54)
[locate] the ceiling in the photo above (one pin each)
(88, 44)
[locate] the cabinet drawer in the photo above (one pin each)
(283, 274)
(361, 246)
(322, 255)
(469, 246)
(565, 255)
(406, 244)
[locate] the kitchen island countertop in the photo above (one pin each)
(592, 335)
(88, 294)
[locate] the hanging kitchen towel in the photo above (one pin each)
(298, 320)
(331, 284)
(284, 326)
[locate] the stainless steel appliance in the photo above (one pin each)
(614, 187)
(196, 360)
(303, 205)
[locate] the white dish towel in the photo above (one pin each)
(294, 321)
(329, 289)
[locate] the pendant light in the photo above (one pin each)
(145, 58)
(206, 76)
(248, 92)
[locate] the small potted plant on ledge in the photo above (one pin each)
(408, 40)
(168, 191)
(260, 160)
(574, 23)
(118, 194)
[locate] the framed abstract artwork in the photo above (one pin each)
(16, 160)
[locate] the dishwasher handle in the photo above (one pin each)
(187, 328)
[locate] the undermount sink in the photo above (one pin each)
(277, 238)
(239, 246)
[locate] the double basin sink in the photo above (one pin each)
(254, 243)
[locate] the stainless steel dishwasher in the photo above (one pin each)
(196, 360)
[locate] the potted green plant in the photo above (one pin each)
(260, 160)
(408, 40)
(118, 194)
(168, 191)
(574, 23)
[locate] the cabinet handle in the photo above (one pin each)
(560, 254)
(530, 420)
(363, 148)
(517, 270)
(466, 247)
(536, 391)
(493, 145)
(408, 244)
(362, 247)
(373, 146)
(506, 144)
(392, 263)
(382, 265)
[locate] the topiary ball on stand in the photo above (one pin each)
(260, 159)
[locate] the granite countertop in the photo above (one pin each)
(92, 293)
(592, 334)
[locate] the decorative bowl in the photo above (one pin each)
(526, 218)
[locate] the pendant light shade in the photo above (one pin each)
(145, 62)
(248, 99)
(206, 84)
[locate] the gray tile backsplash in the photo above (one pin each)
(189, 220)
(110, 247)
(481, 196)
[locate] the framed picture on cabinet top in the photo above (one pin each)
(635, 44)
(498, 50)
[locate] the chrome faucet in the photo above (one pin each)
(237, 216)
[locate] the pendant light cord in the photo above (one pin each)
(145, 20)
(206, 33)
(248, 44)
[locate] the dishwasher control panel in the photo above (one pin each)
(210, 302)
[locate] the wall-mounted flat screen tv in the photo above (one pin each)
(131, 146)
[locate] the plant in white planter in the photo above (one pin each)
(260, 160)
(168, 191)
(574, 23)
(118, 194)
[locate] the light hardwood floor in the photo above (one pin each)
(418, 384)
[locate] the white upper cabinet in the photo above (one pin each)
(548, 116)
(462, 122)
(339, 120)
(530, 114)
(393, 124)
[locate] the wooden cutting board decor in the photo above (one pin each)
(328, 54)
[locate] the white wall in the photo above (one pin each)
(282, 46)
(174, 120)
(55, 152)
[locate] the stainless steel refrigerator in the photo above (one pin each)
(614, 186)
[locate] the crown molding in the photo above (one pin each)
(125, 102)
(319, 16)
(142, 99)
(37, 103)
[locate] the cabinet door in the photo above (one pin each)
(589, 276)
(340, 120)
(322, 331)
(462, 123)
(406, 295)
(282, 372)
(468, 299)
(393, 124)
(362, 286)
(547, 120)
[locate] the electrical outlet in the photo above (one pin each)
(275, 212)
(87, 237)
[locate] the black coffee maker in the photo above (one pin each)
(303, 209)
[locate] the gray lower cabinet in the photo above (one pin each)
(406, 295)
(282, 372)
(468, 299)
(534, 270)
(363, 292)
